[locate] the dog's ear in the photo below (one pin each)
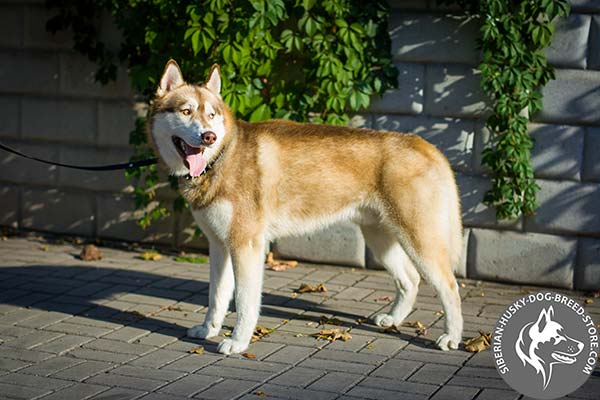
(171, 78)
(213, 83)
(544, 318)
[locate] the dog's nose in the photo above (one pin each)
(209, 138)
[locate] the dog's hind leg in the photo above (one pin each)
(388, 252)
(220, 291)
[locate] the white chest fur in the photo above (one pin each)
(215, 218)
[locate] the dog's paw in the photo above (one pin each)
(230, 346)
(447, 342)
(202, 332)
(383, 320)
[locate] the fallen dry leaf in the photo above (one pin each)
(333, 334)
(421, 329)
(90, 253)
(330, 321)
(260, 332)
(479, 343)
(361, 321)
(439, 313)
(44, 247)
(197, 350)
(462, 285)
(150, 256)
(279, 265)
(249, 355)
(260, 393)
(4, 237)
(589, 301)
(383, 298)
(390, 329)
(307, 288)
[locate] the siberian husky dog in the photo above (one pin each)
(249, 183)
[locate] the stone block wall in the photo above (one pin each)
(51, 107)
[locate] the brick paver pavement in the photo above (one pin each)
(115, 329)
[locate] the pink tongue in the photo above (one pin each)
(197, 163)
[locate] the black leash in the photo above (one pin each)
(112, 167)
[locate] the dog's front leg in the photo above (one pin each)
(248, 268)
(220, 291)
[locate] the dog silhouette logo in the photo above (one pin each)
(545, 345)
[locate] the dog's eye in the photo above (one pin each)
(211, 115)
(186, 111)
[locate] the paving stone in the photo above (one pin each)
(191, 363)
(99, 355)
(399, 386)
(293, 393)
(566, 207)
(479, 382)
(33, 339)
(83, 371)
(340, 366)
(569, 45)
(381, 394)
(339, 244)
(21, 392)
(557, 151)
(190, 385)
(415, 353)
(397, 369)
(297, 377)
(290, 354)
(455, 393)
(51, 366)
(570, 98)
(226, 389)
(407, 98)
(523, 257)
(34, 381)
(337, 382)
(76, 329)
(426, 38)
(237, 373)
(157, 358)
(118, 393)
(591, 158)
(497, 394)
(346, 356)
(78, 391)
(25, 355)
(64, 344)
(434, 374)
(131, 382)
(587, 276)
(7, 364)
(454, 91)
(119, 347)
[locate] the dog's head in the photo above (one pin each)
(188, 123)
(544, 343)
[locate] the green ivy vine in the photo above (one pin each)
(304, 60)
(319, 61)
(513, 69)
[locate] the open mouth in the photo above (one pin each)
(563, 358)
(192, 156)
